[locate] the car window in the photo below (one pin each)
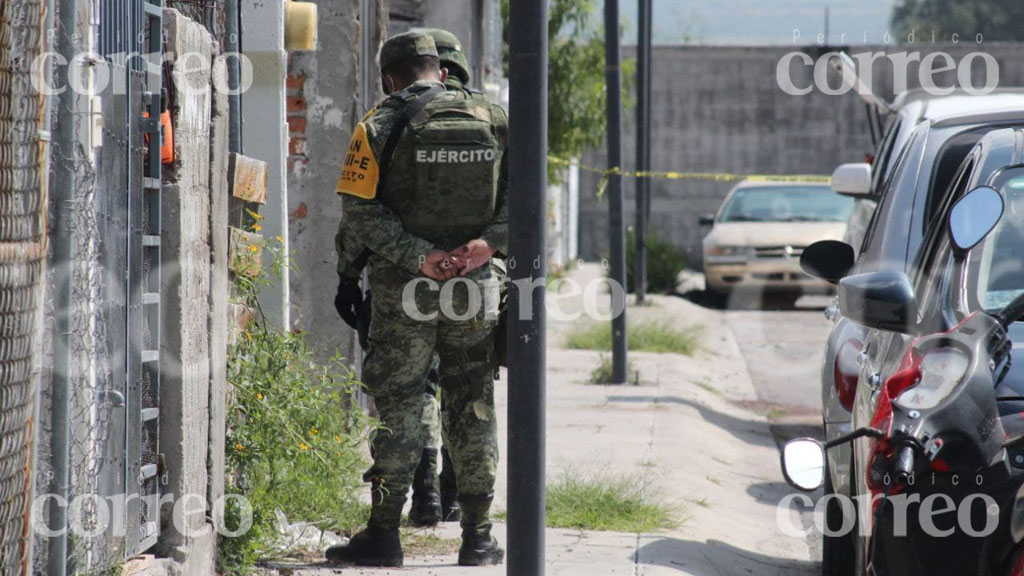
(936, 230)
(786, 204)
(882, 162)
(895, 191)
(996, 271)
(953, 144)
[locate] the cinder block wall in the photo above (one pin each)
(720, 109)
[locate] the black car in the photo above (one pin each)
(934, 309)
(918, 182)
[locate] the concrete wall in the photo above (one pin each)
(194, 289)
(323, 109)
(720, 109)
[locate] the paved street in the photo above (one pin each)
(783, 351)
(695, 432)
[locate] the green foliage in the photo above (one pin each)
(997, 20)
(295, 443)
(664, 263)
(295, 440)
(602, 374)
(576, 79)
(657, 337)
(606, 502)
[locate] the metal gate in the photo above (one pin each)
(128, 192)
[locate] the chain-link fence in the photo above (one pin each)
(22, 258)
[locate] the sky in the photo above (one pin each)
(759, 22)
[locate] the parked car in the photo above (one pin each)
(913, 282)
(760, 231)
(918, 178)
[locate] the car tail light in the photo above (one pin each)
(907, 375)
(846, 372)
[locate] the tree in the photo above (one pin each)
(576, 78)
(996, 20)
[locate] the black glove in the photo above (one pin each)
(349, 300)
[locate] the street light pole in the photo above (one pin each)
(616, 221)
(643, 147)
(528, 151)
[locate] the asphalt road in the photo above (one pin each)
(783, 352)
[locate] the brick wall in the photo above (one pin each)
(297, 108)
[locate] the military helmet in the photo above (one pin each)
(449, 49)
(404, 46)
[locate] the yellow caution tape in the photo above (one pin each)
(713, 176)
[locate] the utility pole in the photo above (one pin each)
(616, 221)
(528, 157)
(643, 147)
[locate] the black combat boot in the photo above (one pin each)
(479, 548)
(426, 502)
(450, 510)
(379, 545)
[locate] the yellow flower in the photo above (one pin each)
(279, 239)
(254, 248)
(256, 215)
(313, 431)
(248, 335)
(259, 396)
(302, 446)
(256, 227)
(239, 447)
(337, 439)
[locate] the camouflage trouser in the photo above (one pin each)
(402, 349)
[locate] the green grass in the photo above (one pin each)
(707, 386)
(420, 542)
(606, 502)
(603, 373)
(657, 337)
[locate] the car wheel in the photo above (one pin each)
(838, 557)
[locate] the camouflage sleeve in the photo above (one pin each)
(350, 252)
(496, 233)
(366, 217)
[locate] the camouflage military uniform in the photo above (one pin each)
(422, 206)
(351, 261)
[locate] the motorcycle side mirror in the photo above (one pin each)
(829, 260)
(974, 216)
(803, 464)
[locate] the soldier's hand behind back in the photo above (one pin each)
(438, 266)
(472, 255)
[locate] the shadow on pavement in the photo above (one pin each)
(713, 558)
(749, 431)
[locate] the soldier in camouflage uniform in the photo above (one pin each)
(438, 209)
(434, 497)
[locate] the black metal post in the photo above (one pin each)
(528, 147)
(233, 46)
(616, 221)
(643, 147)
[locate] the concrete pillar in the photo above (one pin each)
(220, 285)
(185, 287)
(265, 132)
